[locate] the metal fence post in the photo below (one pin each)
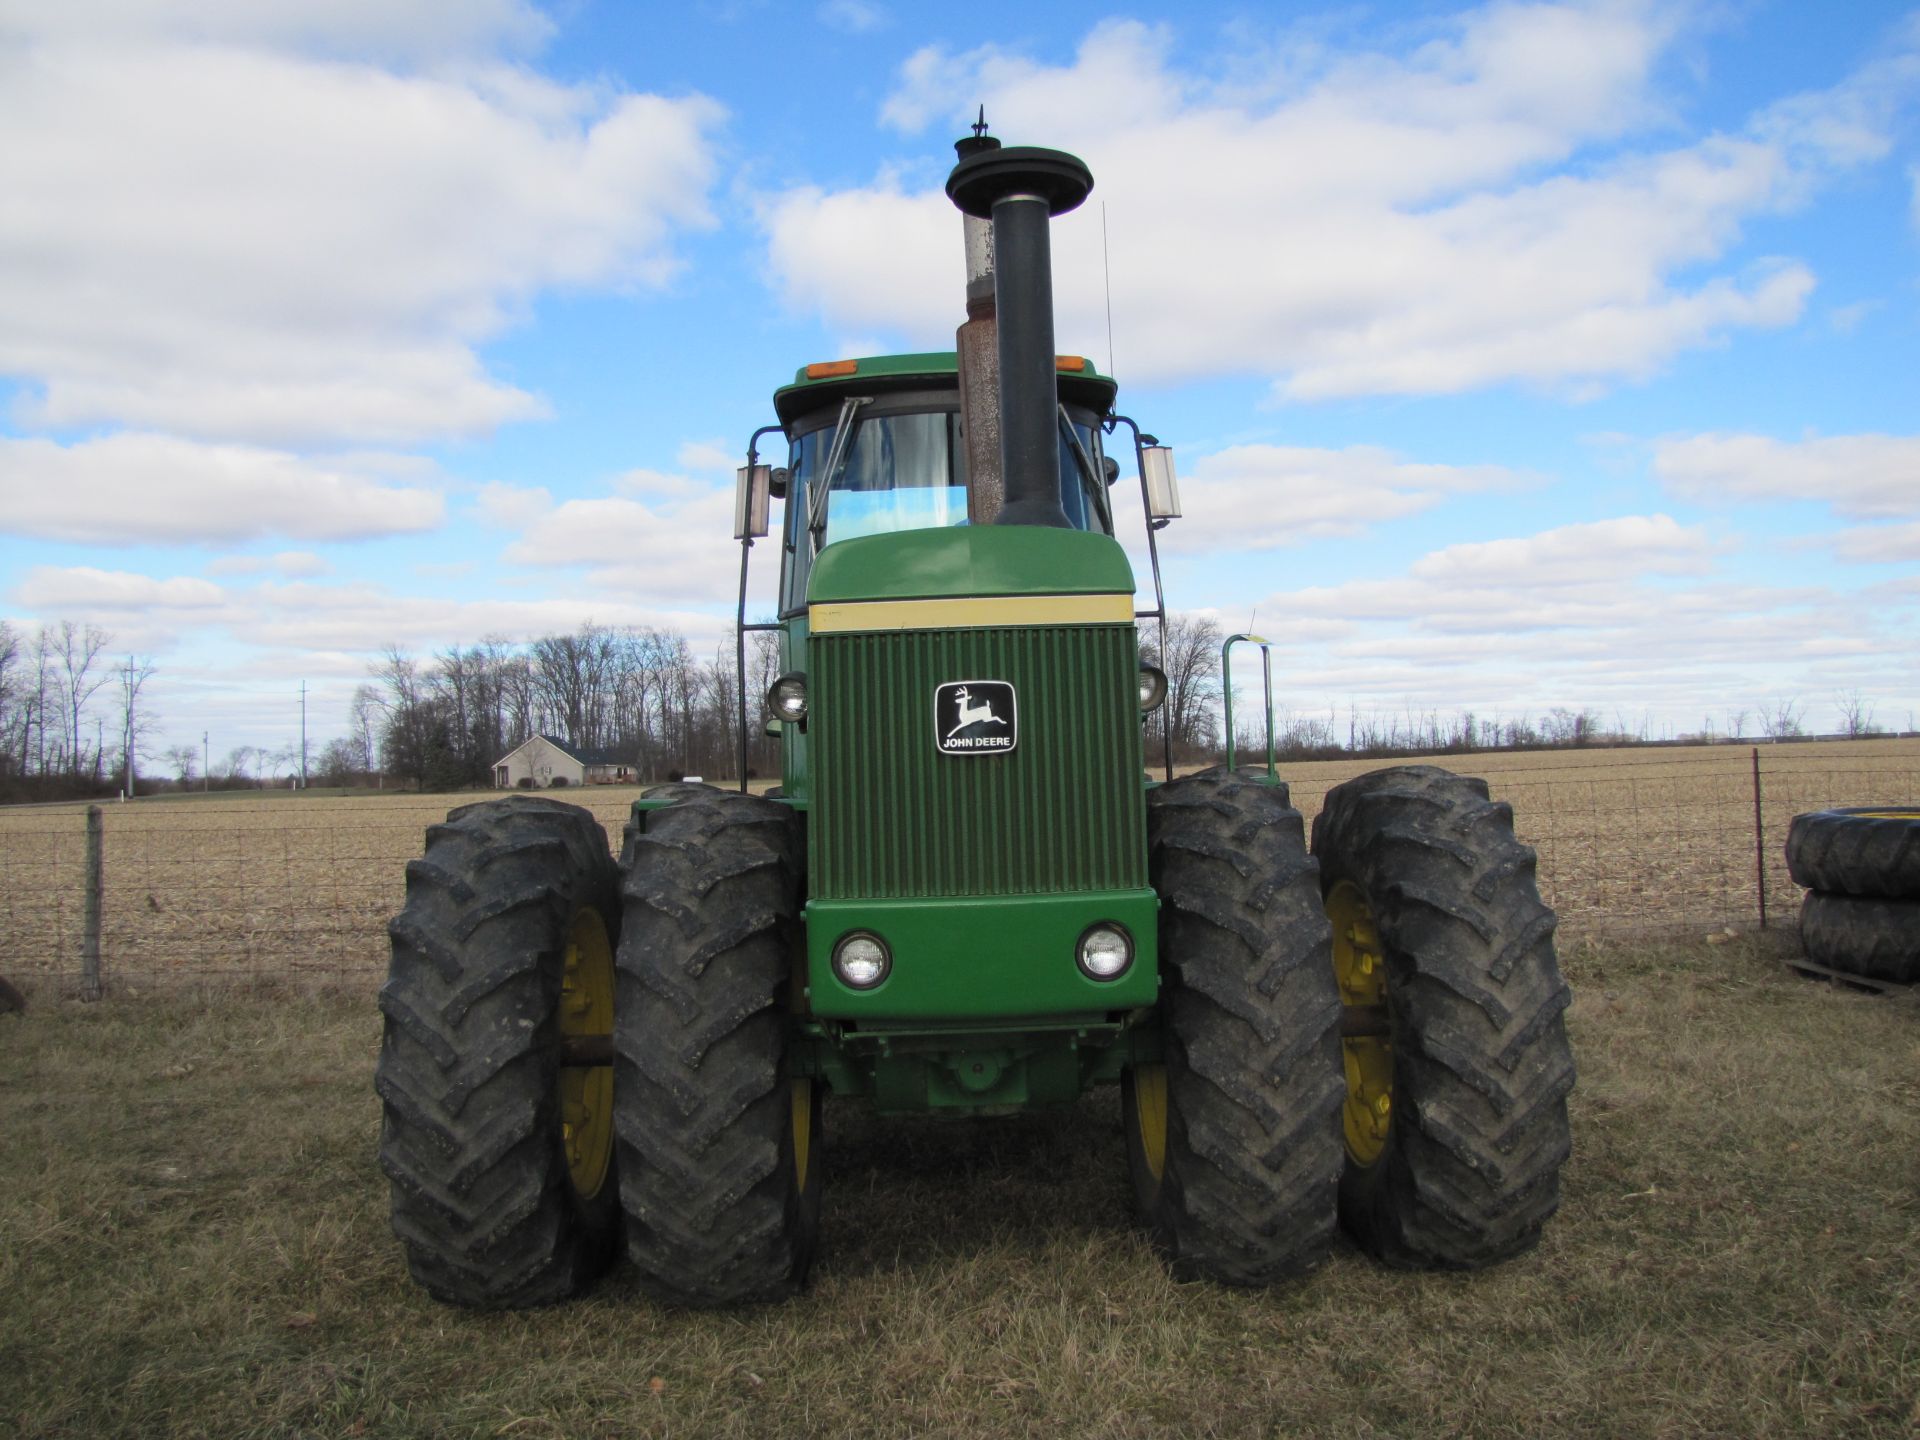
(90, 944)
(1759, 840)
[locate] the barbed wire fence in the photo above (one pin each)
(299, 888)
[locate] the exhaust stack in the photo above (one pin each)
(1020, 189)
(977, 355)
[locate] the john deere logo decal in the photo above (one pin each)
(975, 717)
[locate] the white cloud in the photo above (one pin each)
(213, 239)
(87, 591)
(287, 562)
(708, 456)
(1867, 477)
(131, 489)
(1256, 497)
(1879, 544)
(512, 507)
(855, 17)
(1625, 617)
(1597, 553)
(670, 550)
(300, 563)
(1470, 213)
(364, 618)
(293, 620)
(405, 29)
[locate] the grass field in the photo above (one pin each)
(1636, 840)
(193, 1241)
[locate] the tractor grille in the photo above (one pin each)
(892, 817)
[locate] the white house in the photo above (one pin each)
(546, 760)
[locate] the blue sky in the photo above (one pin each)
(1515, 356)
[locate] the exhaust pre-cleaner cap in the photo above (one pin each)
(1062, 180)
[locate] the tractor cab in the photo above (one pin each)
(877, 446)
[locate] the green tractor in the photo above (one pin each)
(967, 896)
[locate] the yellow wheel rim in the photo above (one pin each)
(1150, 1115)
(1359, 967)
(802, 1131)
(586, 1092)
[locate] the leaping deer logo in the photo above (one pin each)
(971, 713)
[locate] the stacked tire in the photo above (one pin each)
(1861, 870)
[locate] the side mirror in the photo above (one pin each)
(752, 485)
(1163, 488)
(1112, 467)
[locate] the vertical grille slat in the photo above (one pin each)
(894, 818)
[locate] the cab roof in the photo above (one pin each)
(828, 382)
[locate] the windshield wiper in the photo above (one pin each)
(1089, 481)
(843, 429)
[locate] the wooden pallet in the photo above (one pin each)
(1806, 967)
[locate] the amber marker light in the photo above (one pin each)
(827, 369)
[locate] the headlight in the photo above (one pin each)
(1153, 688)
(787, 698)
(861, 960)
(1105, 951)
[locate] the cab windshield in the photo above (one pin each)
(905, 470)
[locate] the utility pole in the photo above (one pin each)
(206, 763)
(303, 734)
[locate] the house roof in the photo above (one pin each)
(581, 753)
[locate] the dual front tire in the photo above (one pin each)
(1372, 1029)
(523, 1129)
(499, 1155)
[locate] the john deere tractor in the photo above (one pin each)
(967, 895)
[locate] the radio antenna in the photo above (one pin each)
(1106, 269)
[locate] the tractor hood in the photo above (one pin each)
(973, 562)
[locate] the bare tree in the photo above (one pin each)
(400, 674)
(77, 648)
(1856, 715)
(763, 668)
(368, 712)
(238, 759)
(1192, 667)
(135, 721)
(12, 734)
(185, 762)
(574, 674)
(1780, 719)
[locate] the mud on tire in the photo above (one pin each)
(483, 1198)
(718, 1173)
(1481, 1067)
(1244, 1112)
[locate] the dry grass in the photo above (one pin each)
(193, 1242)
(302, 885)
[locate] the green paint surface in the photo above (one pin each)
(1063, 813)
(982, 958)
(967, 560)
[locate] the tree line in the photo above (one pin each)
(75, 721)
(640, 694)
(73, 717)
